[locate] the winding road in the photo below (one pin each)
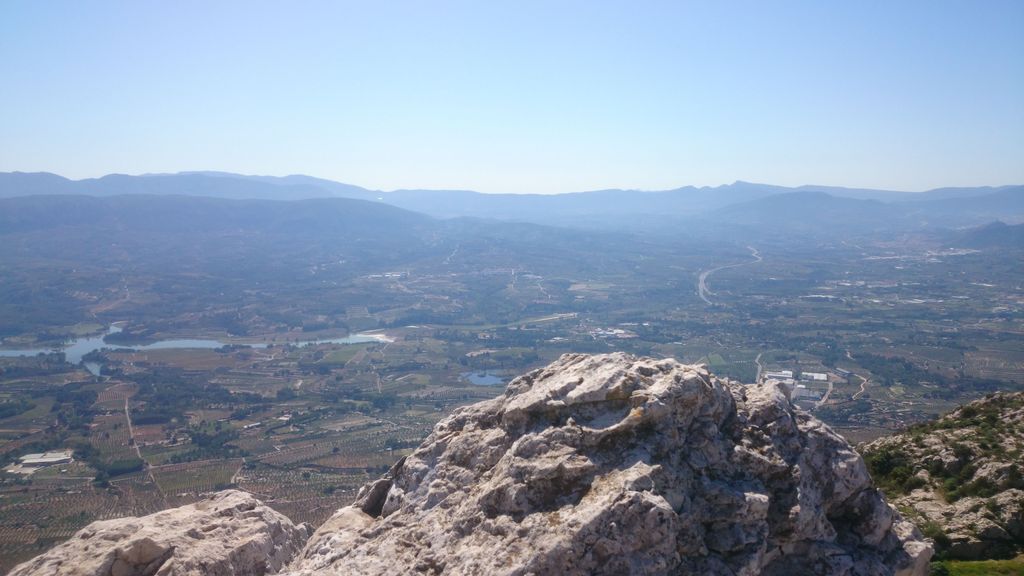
(863, 381)
(863, 386)
(702, 282)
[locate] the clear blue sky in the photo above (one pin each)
(520, 96)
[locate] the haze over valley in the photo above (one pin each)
(449, 288)
(885, 308)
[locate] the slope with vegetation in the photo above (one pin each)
(960, 477)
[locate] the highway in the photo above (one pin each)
(702, 282)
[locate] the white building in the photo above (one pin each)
(801, 392)
(46, 459)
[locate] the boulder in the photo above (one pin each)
(229, 533)
(606, 464)
(614, 464)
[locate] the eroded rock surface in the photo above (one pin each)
(961, 477)
(593, 465)
(229, 533)
(617, 465)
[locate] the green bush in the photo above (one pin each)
(893, 470)
(938, 535)
(913, 483)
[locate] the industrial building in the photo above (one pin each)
(46, 459)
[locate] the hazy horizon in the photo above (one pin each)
(523, 192)
(531, 97)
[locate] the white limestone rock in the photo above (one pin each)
(593, 465)
(229, 533)
(617, 465)
(971, 475)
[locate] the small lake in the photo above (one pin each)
(484, 378)
(78, 348)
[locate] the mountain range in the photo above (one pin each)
(741, 205)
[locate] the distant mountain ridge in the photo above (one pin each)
(995, 235)
(298, 186)
(182, 214)
(740, 203)
(806, 211)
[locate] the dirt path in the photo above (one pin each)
(138, 452)
(863, 386)
(824, 398)
(448, 260)
(234, 477)
(863, 381)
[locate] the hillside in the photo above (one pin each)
(960, 477)
(257, 258)
(185, 213)
(808, 211)
(998, 235)
(829, 214)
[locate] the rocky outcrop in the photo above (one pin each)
(227, 534)
(961, 477)
(617, 465)
(593, 465)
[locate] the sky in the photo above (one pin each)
(526, 96)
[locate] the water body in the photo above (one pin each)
(75, 350)
(483, 378)
(353, 339)
(25, 352)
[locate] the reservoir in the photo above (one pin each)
(76, 349)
